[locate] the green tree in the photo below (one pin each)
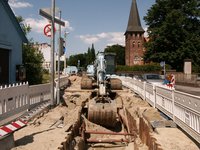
(32, 58)
(119, 51)
(174, 32)
(73, 60)
(26, 28)
(89, 56)
(93, 55)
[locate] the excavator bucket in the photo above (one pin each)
(104, 114)
(86, 83)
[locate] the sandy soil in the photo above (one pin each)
(44, 133)
(47, 132)
(41, 135)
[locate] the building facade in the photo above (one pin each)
(11, 41)
(45, 49)
(134, 38)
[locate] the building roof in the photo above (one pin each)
(14, 20)
(134, 24)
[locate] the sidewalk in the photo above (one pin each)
(188, 89)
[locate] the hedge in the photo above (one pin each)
(141, 68)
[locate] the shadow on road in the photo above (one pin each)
(28, 138)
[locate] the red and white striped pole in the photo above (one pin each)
(7, 129)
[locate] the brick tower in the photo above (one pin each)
(134, 38)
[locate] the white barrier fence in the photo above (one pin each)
(16, 99)
(182, 108)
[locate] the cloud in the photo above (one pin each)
(37, 25)
(19, 4)
(89, 39)
(110, 38)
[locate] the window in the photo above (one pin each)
(138, 44)
(136, 60)
(133, 43)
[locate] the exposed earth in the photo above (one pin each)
(49, 130)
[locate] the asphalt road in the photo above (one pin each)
(188, 89)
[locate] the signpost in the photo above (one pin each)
(53, 20)
(162, 64)
(49, 17)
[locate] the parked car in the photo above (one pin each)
(152, 78)
(138, 77)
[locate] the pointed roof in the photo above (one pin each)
(14, 20)
(134, 24)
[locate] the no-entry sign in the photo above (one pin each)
(47, 30)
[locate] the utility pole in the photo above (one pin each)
(53, 20)
(59, 50)
(52, 50)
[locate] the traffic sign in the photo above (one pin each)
(162, 63)
(47, 30)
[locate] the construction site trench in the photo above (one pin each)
(66, 126)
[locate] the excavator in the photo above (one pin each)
(102, 107)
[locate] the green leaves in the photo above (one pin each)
(85, 59)
(119, 51)
(174, 30)
(32, 60)
(140, 68)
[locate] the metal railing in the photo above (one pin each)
(182, 108)
(17, 99)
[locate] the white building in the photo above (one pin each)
(45, 49)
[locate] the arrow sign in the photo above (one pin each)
(49, 17)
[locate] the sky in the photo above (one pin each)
(99, 22)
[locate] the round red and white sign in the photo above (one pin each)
(47, 30)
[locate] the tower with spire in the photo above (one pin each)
(134, 38)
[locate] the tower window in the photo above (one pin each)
(136, 60)
(138, 44)
(133, 43)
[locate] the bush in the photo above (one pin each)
(140, 68)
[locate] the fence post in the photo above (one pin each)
(144, 88)
(173, 107)
(154, 95)
(28, 96)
